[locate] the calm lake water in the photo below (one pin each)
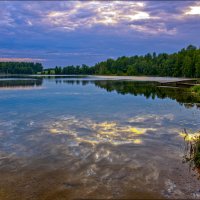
(86, 137)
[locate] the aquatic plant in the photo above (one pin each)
(192, 147)
(196, 89)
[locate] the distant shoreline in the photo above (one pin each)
(110, 77)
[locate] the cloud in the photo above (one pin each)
(193, 9)
(94, 13)
(21, 60)
(95, 30)
(6, 18)
(77, 15)
(154, 17)
(158, 28)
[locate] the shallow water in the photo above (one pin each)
(69, 137)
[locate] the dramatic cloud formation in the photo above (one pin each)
(194, 10)
(76, 32)
(92, 13)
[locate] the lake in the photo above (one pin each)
(88, 137)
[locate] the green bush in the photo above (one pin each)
(196, 89)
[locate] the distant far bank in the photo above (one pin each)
(145, 78)
(110, 77)
(185, 63)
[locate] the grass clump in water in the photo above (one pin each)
(196, 89)
(193, 148)
(196, 151)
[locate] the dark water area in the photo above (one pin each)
(85, 137)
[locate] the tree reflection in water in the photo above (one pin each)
(141, 88)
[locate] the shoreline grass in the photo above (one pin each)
(193, 148)
(196, 89)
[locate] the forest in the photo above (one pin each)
(185, 63)
(20, 68)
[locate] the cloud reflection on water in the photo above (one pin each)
(111, 156)
(92, 132)
(130, 131)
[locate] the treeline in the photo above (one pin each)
(185, 63)
(79, 70)
(20, 68)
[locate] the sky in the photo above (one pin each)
(75, 32)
